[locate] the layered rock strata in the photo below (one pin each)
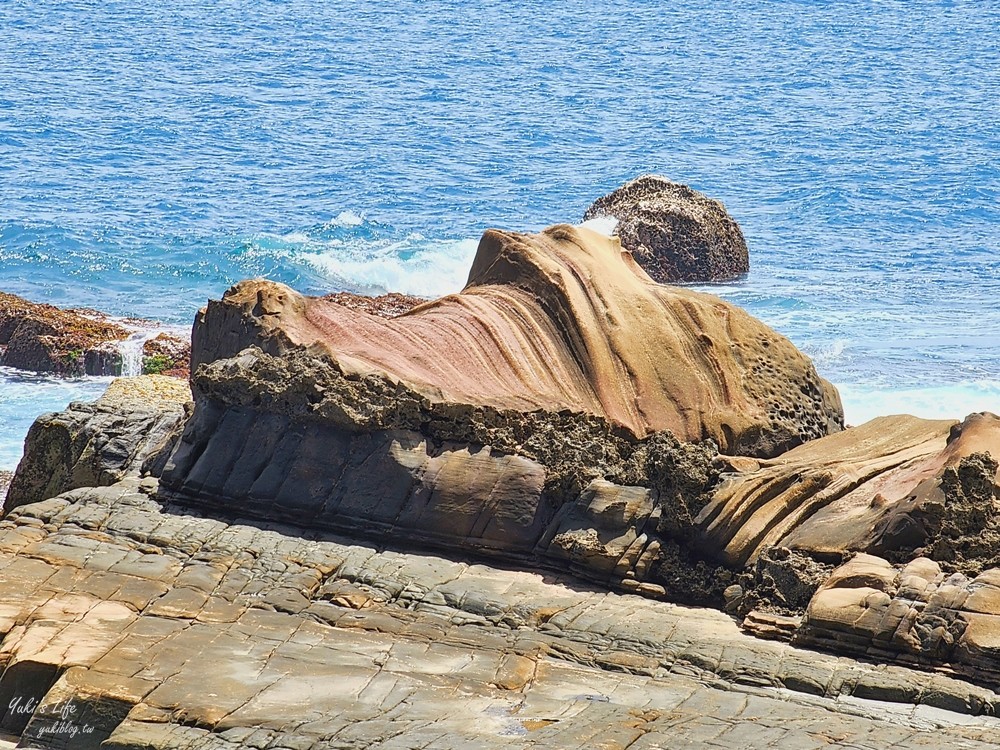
(542, 415)
(675, 233)
(898, 486)
(554, 322)
(130, 626)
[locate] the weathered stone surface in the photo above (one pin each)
(558, 321)
(914, 614)
(389, 305)
(100, 443)
(44, 338)
(897, 486)
(675, 233)
(140, 627)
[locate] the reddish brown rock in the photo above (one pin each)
(43, 338)
(558, 321)
(385, 305)
(166, 354)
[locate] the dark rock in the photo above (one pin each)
(93, 445)
(675, 233)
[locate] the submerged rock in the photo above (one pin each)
(675, 233)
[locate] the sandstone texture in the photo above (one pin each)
(44, 338)
(133, 626)
(912, 614)
(543, 416)
(899, 486)
(561, 321)
(91, 445)
(675, 233)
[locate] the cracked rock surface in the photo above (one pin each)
(137, 625)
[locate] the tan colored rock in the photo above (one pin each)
(913, 615)
(888, 485)
(562, 320)
(444, 654)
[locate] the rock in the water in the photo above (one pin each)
(675, 233)
(43, 338)
(98, 444)
(558, 321)
(166, 354)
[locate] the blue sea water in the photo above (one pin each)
(151, 154)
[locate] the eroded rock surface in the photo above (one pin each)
(97, 444)
(558, 321)
(141, 627)
(912, 614)
(675, 233)
(900, 486)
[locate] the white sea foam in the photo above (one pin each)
(427, 268)
(952, 401)
(605, 225)
(346, 219)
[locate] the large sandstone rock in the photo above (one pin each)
(98, 444)
(541, 415)
(559, 321)
(675, 233)
(898, 486)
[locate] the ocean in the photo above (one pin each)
(152, 154)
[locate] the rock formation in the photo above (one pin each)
(561, 321)
(261, 569)
(675, 233)
(44, 338)
(545, 414)
(127, 626)
(897, 485)
(166, 354)
(98, 444)
(912, 614)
